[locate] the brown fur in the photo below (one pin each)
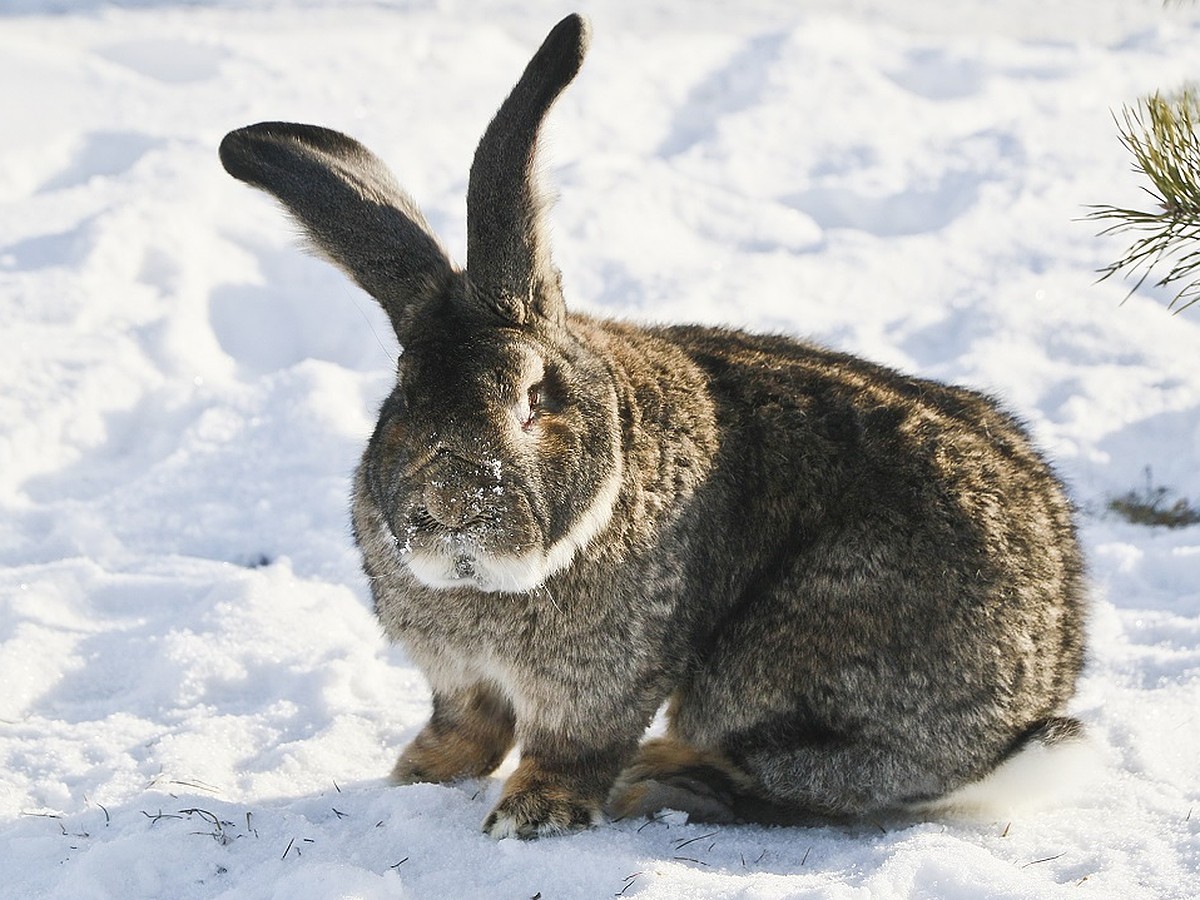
(668, 773)
(468, 736)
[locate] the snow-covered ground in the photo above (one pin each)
(195, 700)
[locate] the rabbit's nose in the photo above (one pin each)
(453, 506)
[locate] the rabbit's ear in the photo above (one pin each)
(348, 204)
(508, 252)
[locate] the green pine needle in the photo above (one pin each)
(1163, 134)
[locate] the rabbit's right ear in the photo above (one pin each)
(349, 206)
(508, 250)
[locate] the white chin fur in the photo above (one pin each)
(470, 567)
(506, 575)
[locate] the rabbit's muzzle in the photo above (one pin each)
(457, 524)
(466, 527)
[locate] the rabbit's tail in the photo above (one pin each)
(1050, 759)
(1048, 732)
(1054, 758)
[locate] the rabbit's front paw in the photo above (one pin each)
(426, 761)
(538, 803)
(469, 748)
(533, 814)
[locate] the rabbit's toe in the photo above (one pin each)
(540, 813)
(646, 797)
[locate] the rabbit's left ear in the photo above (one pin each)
(508, 252)
(349, 205)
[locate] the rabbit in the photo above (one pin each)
(854, 590)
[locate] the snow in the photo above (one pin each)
(195, 700)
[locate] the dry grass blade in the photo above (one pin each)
(1162, 133)
(680, 844)
(629, 880)
(1044, 859)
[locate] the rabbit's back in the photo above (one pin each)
(886, 563)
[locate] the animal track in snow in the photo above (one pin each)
(737, 85)
(912, 211)
(936, 74)
(303, 310)
(102, 154)
(171, 61)
(927, 202)
(45, 251)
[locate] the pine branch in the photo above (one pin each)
(1163, 134)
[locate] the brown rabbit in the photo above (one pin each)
(855, 589)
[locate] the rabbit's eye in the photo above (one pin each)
(530, 411)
